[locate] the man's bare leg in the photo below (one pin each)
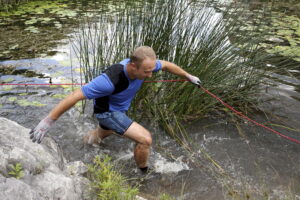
(95, 136)
(143, 139)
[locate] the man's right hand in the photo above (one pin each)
(194, 79)
(38, 133)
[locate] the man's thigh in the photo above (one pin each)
(138, 133)
(119, 122)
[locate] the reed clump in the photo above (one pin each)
(204, 42)
(6, 5)
(194, 36)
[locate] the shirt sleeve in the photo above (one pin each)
(99, 87)
(157, 66)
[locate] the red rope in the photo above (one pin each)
(41, 84)
(48, 84)
(247, 118)
(205, 90)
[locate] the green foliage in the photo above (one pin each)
(195, 37)
(108, 184)
(165, 196)
(286, 28)
(16, 171)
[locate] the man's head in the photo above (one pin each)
(142, 62)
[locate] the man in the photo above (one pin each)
(113, 92)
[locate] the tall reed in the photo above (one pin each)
(194, 36)
(197, 38)
(6, 5)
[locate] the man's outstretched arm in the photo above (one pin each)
(175, 69)
(38, 133)
(68, 102)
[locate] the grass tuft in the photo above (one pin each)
(107, 183)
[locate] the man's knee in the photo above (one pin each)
(147, 141)
(139, 134)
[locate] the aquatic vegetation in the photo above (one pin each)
(196, 38)
(287, 28)
(59, 96)
(199, 39)
(165, 197)
(32, 29)
(35, 7)
(24, 102)
(7, 87)
(12, 99)
(8, 80)
(37, 20)
(107, 183)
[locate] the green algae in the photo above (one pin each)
(7, 87)
(12, 99)
(8, 80)
(23, 94)
(24, 102)
(59, 96)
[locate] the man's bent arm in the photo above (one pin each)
(66, 104)
(173, 68)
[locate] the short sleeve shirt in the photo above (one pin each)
(113, 90)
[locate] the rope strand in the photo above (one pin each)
(200, 87)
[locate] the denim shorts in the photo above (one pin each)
(117, 121)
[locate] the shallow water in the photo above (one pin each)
(248, 161)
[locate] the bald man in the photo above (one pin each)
(112, 93)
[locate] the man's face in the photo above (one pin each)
(144, 69)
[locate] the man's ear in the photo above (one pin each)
(133, 65)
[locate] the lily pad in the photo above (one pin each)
(23, 94)
(59, 96)
(12, 99)
(6, 52)
(66, 13)
(65, 63)
(31, 21)
(57, 74)
(8, 80)
(45, 20)
(7, 87)
(24, 102)
(285, 32)
(14, 47)
(58, 25)
(32, 29)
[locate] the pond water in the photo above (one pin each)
(230, 159)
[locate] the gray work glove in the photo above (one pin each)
(38, 133)
(194, 79)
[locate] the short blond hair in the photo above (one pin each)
(141, 53)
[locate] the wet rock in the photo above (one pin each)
(45, 172)
(11, 70)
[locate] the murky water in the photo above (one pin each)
(228, 160)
